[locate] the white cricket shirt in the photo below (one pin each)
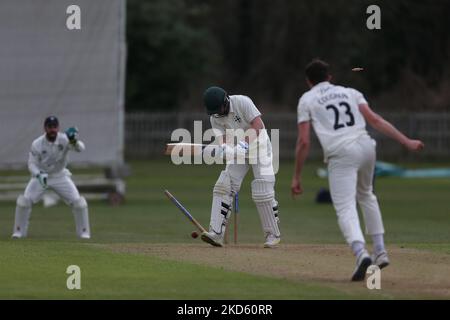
(51, 157)
(242, 112)
(334, 114)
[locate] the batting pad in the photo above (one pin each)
(81, 215)
(221, 204)
(22, 216)
(263, 195)
(223, 184)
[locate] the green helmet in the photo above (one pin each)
(214, 98)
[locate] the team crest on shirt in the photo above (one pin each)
(60, 147)
(237, 119)
(44, 152)
(323, 90)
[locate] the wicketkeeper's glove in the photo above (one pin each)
(72, 134)
(42, 178)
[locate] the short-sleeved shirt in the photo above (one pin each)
(51, 157)
(334, 114)
(242, 112)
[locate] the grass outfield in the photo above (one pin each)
(143, 249)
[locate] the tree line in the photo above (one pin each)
(176, 48)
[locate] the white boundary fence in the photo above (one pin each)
(147, 133)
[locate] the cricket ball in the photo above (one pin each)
(194, 234)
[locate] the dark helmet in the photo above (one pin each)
(214, 98)
(51, 121)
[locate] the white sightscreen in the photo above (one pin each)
(77, 75)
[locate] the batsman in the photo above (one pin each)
(230, 114)
(47, 164)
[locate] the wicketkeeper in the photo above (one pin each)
(47, 164)
(229, 114)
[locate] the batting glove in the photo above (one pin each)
(226, 151)
(72, 134)
(241, 149)
(42, 178)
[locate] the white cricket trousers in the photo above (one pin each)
(350, 175)
(66, 189)
(238, 172)
(61, 185)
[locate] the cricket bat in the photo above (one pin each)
(184, 211)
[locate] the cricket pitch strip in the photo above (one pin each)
(413, 273)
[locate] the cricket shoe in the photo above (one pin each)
(17, 235)
(272, 241)
(381, 259)
(85, 236)
(363, 261)
(212, 238)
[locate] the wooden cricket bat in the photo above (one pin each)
(184, 211)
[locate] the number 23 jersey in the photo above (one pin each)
(334, 114)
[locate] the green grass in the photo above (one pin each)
(416, 214)
(37, 269)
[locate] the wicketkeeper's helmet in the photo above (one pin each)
(214, 98)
